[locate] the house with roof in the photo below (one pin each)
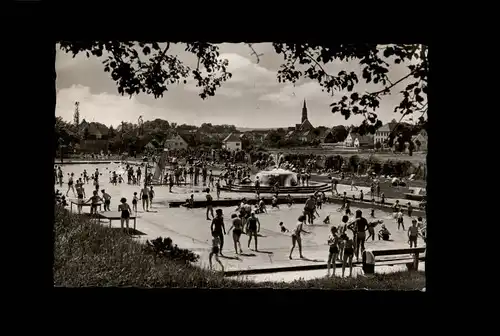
(421, 144)
(175, 141)
(95, 137)
(232, 142)
(382, 134)
(358, 141)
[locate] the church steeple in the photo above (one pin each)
(304, 112)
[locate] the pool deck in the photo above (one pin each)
(190, 229)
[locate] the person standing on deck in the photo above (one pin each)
(107, 200)
(210, 208)
(217, 228)
(144, 195)
(81, 194)
(70, 185)
(296, 236)
(139, 173)
(60, 176)
(151, 196)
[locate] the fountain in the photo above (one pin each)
(287, 181)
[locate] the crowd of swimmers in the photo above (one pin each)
(345, 241)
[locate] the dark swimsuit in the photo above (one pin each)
(125, 214)
(80, 196)
(215, 249)
(334, 249)
(134, 201)
(252, 224)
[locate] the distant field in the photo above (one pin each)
(416, 158)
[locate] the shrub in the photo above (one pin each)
(163, 248)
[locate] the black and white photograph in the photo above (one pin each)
(240, 165)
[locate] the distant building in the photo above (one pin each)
(232, 142)
(382, 134)
(175, 141)
(302, 132)
(422, 138)
(357, 141)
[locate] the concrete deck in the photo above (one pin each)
(189, 228)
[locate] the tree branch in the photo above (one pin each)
(254, 52)
(386, 89)
(162, 55)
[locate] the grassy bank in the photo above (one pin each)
(88, 254)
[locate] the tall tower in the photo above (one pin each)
(76, 115)
(304, 112)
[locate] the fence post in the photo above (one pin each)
(415, 261)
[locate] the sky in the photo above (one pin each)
(252, 98)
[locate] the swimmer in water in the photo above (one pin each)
(333, 250)
(296, 236)
(237, 226)
(151, 196)
(134, 202)
(283, 229)
(348, 253)
(125, 213)
(70, 185)
(274, 202)
(81, 194)
(326, 220)
(144, 195)
(107, 200)
(253, 227)
(289, 200)
(215, 252)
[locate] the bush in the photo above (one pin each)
(163, 248)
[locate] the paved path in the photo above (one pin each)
(189, 228)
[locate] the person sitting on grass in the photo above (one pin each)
(384, 234)
(215, 252)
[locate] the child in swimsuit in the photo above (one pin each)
(413, 233)
(333, 250)
(326, 220)
(134, 202)
(384, 233)
(348, 254)
(95, 199)
(283, 229)
(107, 200)
(151, 195)
(274, 202)
(237, 225)
(400, 220)
(125, 212)
(289, 200)
(215, 252)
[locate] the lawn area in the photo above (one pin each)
(89, 254)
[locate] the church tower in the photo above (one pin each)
(304, 112)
